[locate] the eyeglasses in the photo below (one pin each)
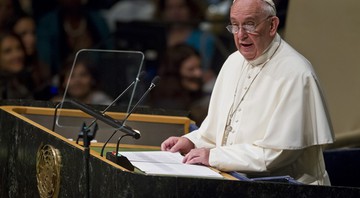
(248, 27)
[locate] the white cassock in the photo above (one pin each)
(276, 114)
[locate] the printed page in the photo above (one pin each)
(154, 157)
(167, 163)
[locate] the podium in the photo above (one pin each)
(25, 138)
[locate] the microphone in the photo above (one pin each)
(105, 118)
(120, 159)
(154, 82)
(137, 79)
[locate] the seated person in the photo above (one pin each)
(83, 85)
(24, 26)
(183, 18)
(65, 31)
(13, 77)
(181, 83)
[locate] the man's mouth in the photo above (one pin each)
(246, 45)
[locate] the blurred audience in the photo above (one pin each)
(24, 26)
(65, 26)
(281, 12)
(83, 85)
(129, 10)
(183, 18)
(24, 6)
(181, 83)
(13, 77)
(6, 13)
(68, 29)
(34, 8)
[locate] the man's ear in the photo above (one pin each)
(274, 25)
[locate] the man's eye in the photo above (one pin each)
(250, 23)
(248, 26)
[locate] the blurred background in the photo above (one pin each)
(183, 41)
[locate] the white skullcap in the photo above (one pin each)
(270, 2)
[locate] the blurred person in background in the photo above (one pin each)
(68, 29)
(13, 77)
(83, 85)
(39, 8)
(24, 26)
(24, 6)
(281, 8)
(129, 10)
(181, 83)
(183, 18)
(6, 12)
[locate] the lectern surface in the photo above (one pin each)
(21, 139)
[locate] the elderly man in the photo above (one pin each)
(267, 116)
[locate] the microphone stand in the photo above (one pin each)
(86, 159)
(154, 82)
(141, 76)
(87, 136)
(118, 158)
(115, 156)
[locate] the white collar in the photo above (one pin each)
(268, 53)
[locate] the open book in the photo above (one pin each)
(167, 163)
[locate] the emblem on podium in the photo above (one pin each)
(48, 164)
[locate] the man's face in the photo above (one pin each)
(245, 12)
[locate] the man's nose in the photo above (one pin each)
(241, 33)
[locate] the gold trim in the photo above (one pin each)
(116, 115)
(17, 111)
(48, 163)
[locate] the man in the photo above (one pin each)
(266, 116)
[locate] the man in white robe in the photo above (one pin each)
(267, 116)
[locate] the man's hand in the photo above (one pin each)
(197, 156)
(177, 144)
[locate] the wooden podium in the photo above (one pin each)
(36, 161)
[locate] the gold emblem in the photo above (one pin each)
(48, 164)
